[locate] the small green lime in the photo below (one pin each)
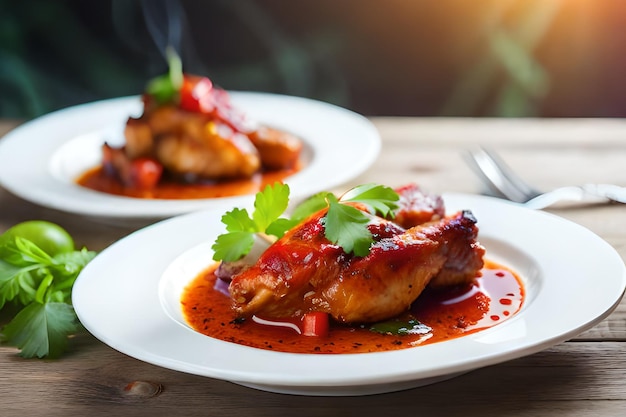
(49, 237)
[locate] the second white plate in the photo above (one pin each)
(40, 160)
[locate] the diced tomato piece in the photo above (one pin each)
(145, 173)
(193, 91)
(315, 324)
(214, 102)
(206, 104)
(198, 95)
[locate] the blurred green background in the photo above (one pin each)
(509, 58)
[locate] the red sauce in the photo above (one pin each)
(489, 300)
(97, 179)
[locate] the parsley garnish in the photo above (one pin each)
(344, 224)
(40, 286)
(401, 327)
(165, 87)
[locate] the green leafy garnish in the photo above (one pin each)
(309, 206)
(40, 285)
(269, 205)
(346, 227)
(380, 198)
(344, 224)
(164, 88)
(400, 327)
(41, 329)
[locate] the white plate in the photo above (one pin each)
(40, 160)
(128, 297)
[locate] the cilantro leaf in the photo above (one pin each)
(26, 267)
(165, 88)
(309, 206)
(269, 205)
(346, 226)
(380, 198)
(41, 330)
(401, 327)
(68, 267)
(39, 284)
(22, 251)
(303, 210)
(238, 220)
(10, 285)
(70, 264)
(280, 226)
(232, 246)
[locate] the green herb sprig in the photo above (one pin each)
(164, 88)
(344, 224)
(39, 285)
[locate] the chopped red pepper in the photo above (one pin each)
(145, 173)
(195, 91)
(315, 324)
(210, 103)
(198, 95)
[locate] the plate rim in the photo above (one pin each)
(336, 384)
(36, 183)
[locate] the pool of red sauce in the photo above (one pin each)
(489, 300)
(97, 179)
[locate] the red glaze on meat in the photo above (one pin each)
(304, 272)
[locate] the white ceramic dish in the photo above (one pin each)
(128, 297)
(40, 160)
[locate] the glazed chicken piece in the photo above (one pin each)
(277, 149)
(191, 145)
(416, 206)
(195, 134)
(304, 272)
(194, 146)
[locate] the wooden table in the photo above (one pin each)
(585, 376)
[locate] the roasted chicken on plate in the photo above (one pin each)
(198, 135)
(304, 272)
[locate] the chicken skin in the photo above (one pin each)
(304, 272)
(201, 139)
(277, 149)
(191, 145)
(416, 206)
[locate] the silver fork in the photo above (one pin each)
(504, 183)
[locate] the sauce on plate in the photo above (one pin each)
(99, 180)
(492, 298)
